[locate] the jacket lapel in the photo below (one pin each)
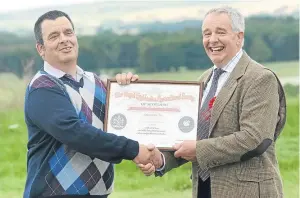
(206, 77)
(228, 89)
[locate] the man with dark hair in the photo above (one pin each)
(68, 151)
(52, 15)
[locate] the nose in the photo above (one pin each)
(63, 38)
(213, 38)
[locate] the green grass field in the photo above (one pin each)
(130, 182)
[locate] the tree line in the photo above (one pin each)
(266, 39)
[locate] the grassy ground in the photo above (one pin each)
(150, 193)
(12, 90)
(129, 181)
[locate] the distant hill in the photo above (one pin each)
(156, 26)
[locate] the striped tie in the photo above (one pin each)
(205, 111)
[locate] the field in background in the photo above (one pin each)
(129, 181)
(12, 89)
(282, 69)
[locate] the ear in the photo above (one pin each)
(240, 36)
(40, 49)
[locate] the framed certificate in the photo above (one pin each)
(162, 113)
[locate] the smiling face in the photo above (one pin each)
(220, 42)
(60, 42)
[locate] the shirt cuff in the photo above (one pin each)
(164, 163)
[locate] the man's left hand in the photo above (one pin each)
(186, 150)
(125, 79)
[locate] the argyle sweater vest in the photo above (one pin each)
(60, 169)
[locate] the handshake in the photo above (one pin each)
(148, 159)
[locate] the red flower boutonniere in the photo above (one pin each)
(211, 102)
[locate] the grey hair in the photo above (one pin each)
(237, 19)
(51, 15)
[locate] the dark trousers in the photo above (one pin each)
(78, 196)
(204, 188)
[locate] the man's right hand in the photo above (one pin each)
(156, 161)
(147, 169)
(149, 154)
(145, 155)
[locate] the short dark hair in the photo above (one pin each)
(51, 15)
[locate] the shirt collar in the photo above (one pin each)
(232, 63)
(59, 73)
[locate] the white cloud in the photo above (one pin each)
(12, 5)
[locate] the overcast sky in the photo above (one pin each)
(11, 5)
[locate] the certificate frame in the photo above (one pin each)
(110, 82)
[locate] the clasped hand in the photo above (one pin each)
(185, 150)
(148, 159)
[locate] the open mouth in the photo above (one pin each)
(216, 49)
(66, 49)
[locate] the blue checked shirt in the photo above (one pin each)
(228, 68)
(68, 152)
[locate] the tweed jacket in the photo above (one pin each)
(247, 117)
